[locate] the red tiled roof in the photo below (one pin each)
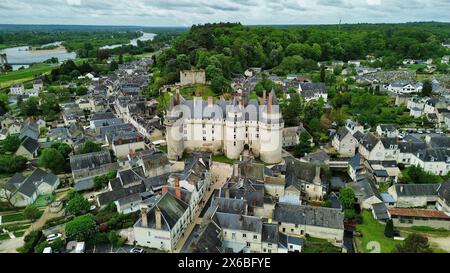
(418, 213)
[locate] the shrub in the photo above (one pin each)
(359, 219)
(389, 229)
(31, 239)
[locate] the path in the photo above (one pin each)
(41, 221)
(219, 174)
(10, 246)
(440, 242)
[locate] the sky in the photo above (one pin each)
(249, 12)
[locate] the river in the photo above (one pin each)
(23, 56)
(145, 37)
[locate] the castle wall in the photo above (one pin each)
(188, 77)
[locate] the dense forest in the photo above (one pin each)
(228, 48)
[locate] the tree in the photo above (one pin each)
(304, 145)
(292, 111)
(52, 159)
(427, 88)
(11, 164)
(90, 147)
(11, 144)
(389, 229)
(322, 74)
(81, 228)
(63, 148)
(414, 243)
(32, 213)
(347, 198)
(78, 205)
(29, 107)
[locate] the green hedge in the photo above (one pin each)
(4, 236)
(13, 217)
(57, 221)
(31, 241)
(15, 227)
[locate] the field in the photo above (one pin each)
(373, 234)
(24, 75)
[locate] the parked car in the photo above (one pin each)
(137, 250)
(53, 237)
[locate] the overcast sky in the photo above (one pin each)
(249, 12)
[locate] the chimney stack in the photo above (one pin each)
(210, 101)
(157, 218)
(177, 182)
(171, 103)
(269, 103)
(264, 97)
(165, 189)
(317, 180)
(144, 209)
(227, 192)
(178, 192)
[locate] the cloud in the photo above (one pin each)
(188, 12)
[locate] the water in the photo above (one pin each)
(145, 37)
(23, 56)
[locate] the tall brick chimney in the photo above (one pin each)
(171, 103)
(177, 182)
(157, 218)
(144, 210)
(165, 189)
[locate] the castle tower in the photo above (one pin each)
(271, 126)
(234, 134)
(174, 130)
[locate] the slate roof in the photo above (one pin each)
(245, 188)
(91, 160)
(380, 210)
(28, 185)
(131, 176)
(172, 209)
(156, 183)
(369, 141)
(434, 154)
(269, 233)
(440, 142)
(364, 188)
(341, 133)
(307, 215)
(228, 205)
(208, 239)
(239, 222)
(31, 145)
(444, 192)
(408, 190)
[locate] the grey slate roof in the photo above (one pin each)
(228, 205)
(444, 192)
(369, 141)
(434, 154)
(239, 222)
(341, 133)
(307, 215)
(404, 190)
(269, 233)
(91, 160)
(28, 185)
(381, 211)
(31, 145)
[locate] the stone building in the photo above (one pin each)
(189, 77)
(226, 127)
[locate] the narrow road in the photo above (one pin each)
(219, 174)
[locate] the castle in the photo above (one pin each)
(225, 127)
(190, 77)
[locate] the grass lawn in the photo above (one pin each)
(13, 217)
(373, 231)
(222, 159)
(19, 233)
(162, 149)
(316, 245)
(199, 89)
(44, 200)
(4, 236)
(24, 74)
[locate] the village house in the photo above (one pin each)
(403, 87)
(406, 217)
(414, 195)
(387, 130)
(313, 91)
(22, 191)
(318, 222)
(28, 148)
(125, 143)
(163, 222)
(434, 160)
(443, 202)
(344, 142)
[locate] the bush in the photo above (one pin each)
(31, 239)
(78, 205)
(429, 229)
(57, 221)
(359, 219)
(389, 229)
(40, 247)
(32, 213)
(81, 228)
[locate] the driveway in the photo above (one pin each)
(10, 246)
(440, 242)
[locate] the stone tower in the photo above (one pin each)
(271, 126)
(174, 130)
(234, 130)
(3, 61)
